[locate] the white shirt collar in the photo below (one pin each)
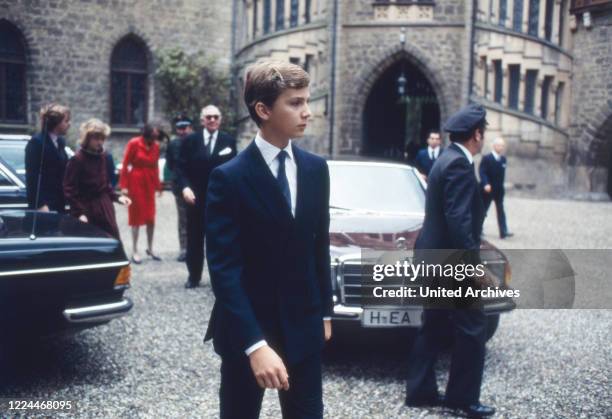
(467, 153)
(433, 150)
(269, 151)
(54, 138)
(207, 135)
(497, 156)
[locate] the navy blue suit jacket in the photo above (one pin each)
(54, 161)
(423, 162)
(193, 167)
(493, 172)
(453, 207)
(270, 272)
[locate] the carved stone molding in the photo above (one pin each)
(395, 11)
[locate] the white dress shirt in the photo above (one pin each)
(270, 155)
(497, 156)
(54, 139)
(467, 153)
(213, 140)
(433, 152)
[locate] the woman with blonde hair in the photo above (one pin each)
(86, 183)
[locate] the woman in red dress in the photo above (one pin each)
(139, 180)
(86, 183)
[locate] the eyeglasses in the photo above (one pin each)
(212, 117)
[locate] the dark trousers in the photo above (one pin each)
(499, 207)
(181, 212)
(467, 359)
(241, 396)
(195, 241)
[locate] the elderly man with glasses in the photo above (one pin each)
(200, 153)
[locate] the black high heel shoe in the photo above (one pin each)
(153, 256)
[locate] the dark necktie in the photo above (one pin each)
(281, 178)
(209, 146)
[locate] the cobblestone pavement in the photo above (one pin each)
(540, 364)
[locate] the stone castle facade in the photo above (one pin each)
(384, 73)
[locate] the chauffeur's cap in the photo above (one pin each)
(182, 121)
(465, 120)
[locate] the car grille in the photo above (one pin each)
(350, 282)
(351, 285)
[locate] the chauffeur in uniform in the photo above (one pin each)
(453, 220)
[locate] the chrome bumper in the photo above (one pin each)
(98, 313)
(342, 312)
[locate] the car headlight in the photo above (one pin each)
(334, 275)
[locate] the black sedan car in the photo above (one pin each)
(57, 274)
(12, 188)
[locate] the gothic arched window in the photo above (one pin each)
(12, 74)
(129, 85)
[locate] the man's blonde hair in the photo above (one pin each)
(91, 127)
(266, 80)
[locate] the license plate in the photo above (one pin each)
(389, 317)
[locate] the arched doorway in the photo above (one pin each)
(396, 126)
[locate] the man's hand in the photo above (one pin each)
(84, 218)
(44, 208)
(188, 195)
(268, 368)
(487, 188)
(124, 200)
(327, 329)
(124, 191)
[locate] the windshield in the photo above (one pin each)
(375, 187)
(14, 155)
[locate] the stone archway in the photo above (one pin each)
(366, 75)
(395, 126)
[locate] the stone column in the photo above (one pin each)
(521, 90)
(509, 14)
(537, 99)
(555, 23)
(493, 12)
(287, 13)
(542, 20)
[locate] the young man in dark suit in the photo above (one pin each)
(492, 172)
(426, 157)
(267, 222)
(45, 160)
(453, 220)
(199, 154)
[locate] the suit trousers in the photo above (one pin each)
(468, 327)
(195, 241)
(181, 212)
(499, 207)
(241, 396)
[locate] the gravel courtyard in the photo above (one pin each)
(540, 364)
